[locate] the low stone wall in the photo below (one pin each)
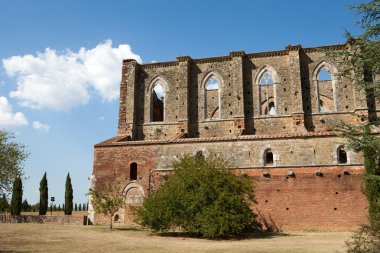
(57, 219)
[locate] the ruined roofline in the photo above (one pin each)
(238, 53)
(123, 140)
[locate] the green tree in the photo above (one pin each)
(25, 206)
(12, 156)
(16, 202)
(360, 63)
(59, 207)
(80, 207)
(202, 197)
(43, 196)
(4, 206)
(35, 207)
(68, 196)
(75, 207)
(107, 201)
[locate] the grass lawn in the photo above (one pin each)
(75, 238)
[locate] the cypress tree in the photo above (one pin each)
(68, 196)
(16, 202)
(43, 196)
(25, 206)
(4, 206)
(75, 207)
(80, 207)
(59, 207)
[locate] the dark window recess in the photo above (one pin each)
(157, 107)
(198, 155)
(133, 171)
(342, 156)
(268, 158)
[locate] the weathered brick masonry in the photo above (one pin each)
(271, 112)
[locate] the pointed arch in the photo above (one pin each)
(326, 88)
(212, 84)
(156, 79)
(157, 91)
(325, 65)
(269, 69)
(266, 81)
(209, 74)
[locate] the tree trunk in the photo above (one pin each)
(111, 221)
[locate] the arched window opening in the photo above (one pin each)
(212, 90)
(158, 102)
(116, 218)
(266, 79)
(342, 156)
(267, 94)
(268, 156)
(324, 75)
(325, 84)
(133, 171)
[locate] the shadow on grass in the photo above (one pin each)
(129, 229)
(101, 227)
(246, 236)
(12, 251)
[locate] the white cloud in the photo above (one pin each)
(61, 81)
(101, 118)
(7, 117)
(40, 126)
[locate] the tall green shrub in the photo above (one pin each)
(68, 196)
(4, 206)
(201, 197)
(16, 202)
(43, 196)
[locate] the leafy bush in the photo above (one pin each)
(4, 205)
(202, 197)
(365, 240)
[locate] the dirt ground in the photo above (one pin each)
(74, 238)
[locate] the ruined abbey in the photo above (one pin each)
(272, 112)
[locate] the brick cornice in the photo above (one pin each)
(122, 140)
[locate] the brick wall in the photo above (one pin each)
(299, 135)
(332, 200)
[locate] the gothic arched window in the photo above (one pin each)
(158, 102)
(325, 84)
(267, 91)
(212, 98)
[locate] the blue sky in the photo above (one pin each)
(60, 63)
